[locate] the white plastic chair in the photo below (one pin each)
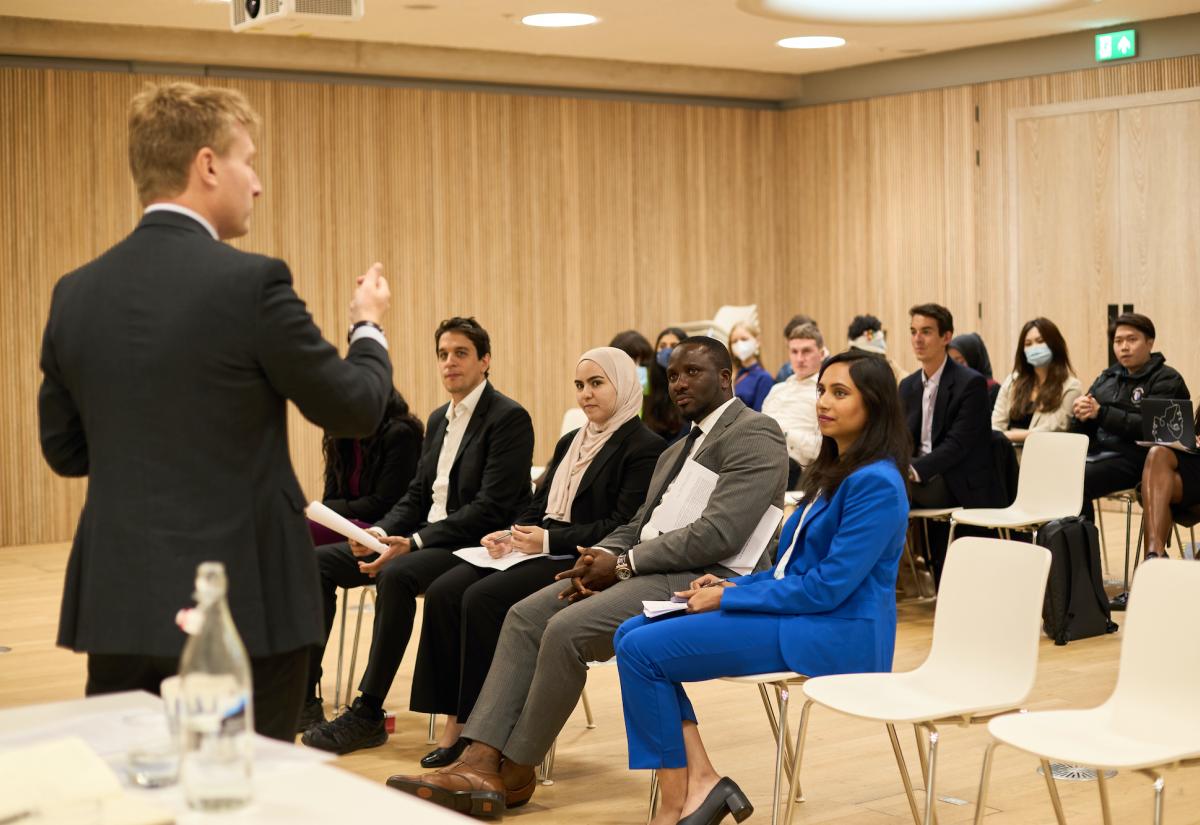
(1151, 721)
(982, 662)
(723, 322)
(1050, 486)
(924, 515)
(338, 701)
(572, 419)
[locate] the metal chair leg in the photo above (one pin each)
(545, 770)
(780, 746)
(1178, 541)
(653, 797)
(904, 776)
(795, 794)
(1160, 785)
(362, 598)
(1100, 529)
(1102, 783)
(765, 695)
(432, 737)
(931, 779)
(1048, 774)
(985, 776)
(587, 710)
(337, 685)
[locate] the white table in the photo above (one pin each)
(293, 785)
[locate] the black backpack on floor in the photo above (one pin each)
(1076, 606)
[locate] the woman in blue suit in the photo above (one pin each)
(828, 605)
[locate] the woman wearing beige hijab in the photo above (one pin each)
(596, 482)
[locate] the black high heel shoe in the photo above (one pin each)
(441, 757)
(725, 798)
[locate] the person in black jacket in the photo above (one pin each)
(595, 482)
(1110, 414)
(473, 474)
(364, 477)
(168, 363)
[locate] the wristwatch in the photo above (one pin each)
(624, 571)
(359, 324)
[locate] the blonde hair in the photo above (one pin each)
(750, 328)
(169, 124)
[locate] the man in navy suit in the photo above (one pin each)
(946, 406)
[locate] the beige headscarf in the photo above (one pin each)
(591, 438)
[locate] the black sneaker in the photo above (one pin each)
(313, 713)
(352, 731)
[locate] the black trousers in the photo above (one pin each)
(1107, 475)
(932, 494)
(464, 611)
(278, 684)
(397, 586)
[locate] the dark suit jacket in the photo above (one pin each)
(399, 448)
(489, 481)
(961, 435)
(168, 363)
(612, 489)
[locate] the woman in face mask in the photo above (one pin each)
(1039, 393)
(658, 410)
(752, 382)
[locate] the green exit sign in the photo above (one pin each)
(1116, 45)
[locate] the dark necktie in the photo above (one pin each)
(692, 437)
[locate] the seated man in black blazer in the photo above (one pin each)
(473, 474)
(947, 409)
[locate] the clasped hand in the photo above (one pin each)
(594, 571)
(704, 594)
(1085, 408)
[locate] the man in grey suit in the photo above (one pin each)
(539, 669)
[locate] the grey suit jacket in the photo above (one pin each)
(748, 453)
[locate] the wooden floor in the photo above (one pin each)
(849, 773)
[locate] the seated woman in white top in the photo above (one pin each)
(1038, 395)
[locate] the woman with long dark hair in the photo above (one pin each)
(827, 606)
(658, 410)
(1039, 393)
(364, 477)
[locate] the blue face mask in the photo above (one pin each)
(663, 356)
(644, 377)
(1039, 355)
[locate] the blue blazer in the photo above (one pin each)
(839, 588)
(752, 386)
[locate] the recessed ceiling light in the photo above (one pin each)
(559, 20)
(814, 42)
(876, 12)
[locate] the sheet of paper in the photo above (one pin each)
(744, 560)
(322, 515)
(653, 609)
(686, 498)
(480, 557)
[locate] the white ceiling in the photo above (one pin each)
(711, 33)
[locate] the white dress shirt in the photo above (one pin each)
(458, 416)
(929, 384)
(793, 405)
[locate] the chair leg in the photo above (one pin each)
(769, 706)
(587, 710)
(1178, 541)
(432, 737)
(1053, 789)
(1102, 784)
(337, 685)
(781, 742)
(1100, 529)
(545, 770)
(1160, 785)
(795, 793)
(1128, 524)
(931, 779)
(985, 776)
(904, 777)
(653, 797)
(362, 598)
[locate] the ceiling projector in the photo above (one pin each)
(290, 16)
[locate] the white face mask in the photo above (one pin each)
(744, 349)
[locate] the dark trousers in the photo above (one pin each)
(464, 611)
(1106, 475)
(397, 586)
(278, 684)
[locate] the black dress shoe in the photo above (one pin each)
(1118, 602)
(441, 757)
(312, 714)
(354, 730)
(724, 799)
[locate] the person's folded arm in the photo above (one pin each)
(1059, 420)
(964, 434)
(875, 508)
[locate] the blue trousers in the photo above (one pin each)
(655, 657)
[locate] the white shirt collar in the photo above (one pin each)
(936, 378)
(467, 405)
(183, 210)
(710, 420)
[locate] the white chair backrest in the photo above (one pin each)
(729, 315)
(988, 620)
(573, 419)
(1050, 483)
(1160, 656)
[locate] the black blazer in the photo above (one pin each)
(489, 481)
(612, 489)
(961, 435)
(168, 363)
(400, 448)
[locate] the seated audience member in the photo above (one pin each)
(539, 668)
(1110, 414)
(596, 482)
(1169, 479)
(946, 407)
(658, 410)
(634, 344)
(828, 606)
(1039, 393)
(751, 383)
(793, 404)
(364, 477)
(968, 350)
(866, 333)
(795, 321)
(473, 475)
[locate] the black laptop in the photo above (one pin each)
(1169, 422)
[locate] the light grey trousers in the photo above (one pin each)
(540, 666)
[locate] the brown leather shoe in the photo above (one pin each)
(460, 787)
(519, 783)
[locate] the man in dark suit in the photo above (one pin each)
(473, 475)
(168, 363)
(947, 410)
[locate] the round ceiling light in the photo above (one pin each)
(878, 12)
(811, 42)
(559, 20)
